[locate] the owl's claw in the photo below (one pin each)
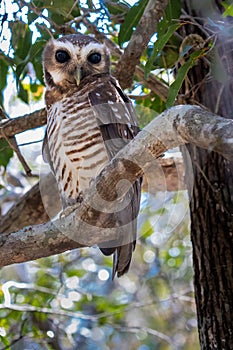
(72, 207)
(67, 211)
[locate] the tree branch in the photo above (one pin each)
(145, 29)
(29, 209)
(87, 225)
(11, 127)
(153, 83)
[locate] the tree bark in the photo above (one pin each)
(91, 222)
(212, 194)
(145, 29)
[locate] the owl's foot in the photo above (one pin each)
(67, 211)
(72, 207)
(80, 197)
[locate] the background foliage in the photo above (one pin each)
(69, 301)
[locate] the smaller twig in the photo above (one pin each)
(150, 331)
(102, 37)
(72, 7)
(153, 83)
(44, 27)
(192, 21)
(45, 310)
(34, 9)
(2, 114)
(75, 20)
(30, 143)
(13, 144)
(140, 97)
(219, 98)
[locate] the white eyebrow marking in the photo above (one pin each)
(65, 45)
(91, 47)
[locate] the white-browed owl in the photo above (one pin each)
(89, 119)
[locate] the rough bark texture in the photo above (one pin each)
(11, 127)
(91, 224)
(145, 29)
(212, 194)
(29, 209)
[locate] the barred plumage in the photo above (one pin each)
(89, 120)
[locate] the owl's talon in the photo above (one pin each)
(67, 211)
(80, 197)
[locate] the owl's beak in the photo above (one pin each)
(78, 75)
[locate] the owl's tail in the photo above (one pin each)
(121, 258)
(126, 242)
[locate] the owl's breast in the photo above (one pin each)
(76, 145)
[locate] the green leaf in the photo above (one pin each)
(3, 78)
(171, 13)
(23, 93)
(159, 44)
(146, 229)
(182, 73)
(228, 9)
(131, 20)
(21, 39)
(39, 70)
(32, 17)
(116, 8)
(19, 70)
(59, 10)
(36, 49)
(38, 3)
(173, 10)
(5, 153)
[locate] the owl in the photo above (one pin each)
(89, 119)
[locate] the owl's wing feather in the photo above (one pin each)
(118, 124)
(46, 153)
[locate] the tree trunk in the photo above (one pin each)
(212, 194)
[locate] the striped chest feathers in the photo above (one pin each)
(75, 142)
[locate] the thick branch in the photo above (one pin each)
(176, 126)
(11, 127)
(145, 29)
(29, 210)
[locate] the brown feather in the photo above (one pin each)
(116, 135)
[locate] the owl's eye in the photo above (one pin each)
(94, 58)
(62, 56)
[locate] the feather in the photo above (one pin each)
(118, 124)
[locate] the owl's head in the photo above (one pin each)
(71, 58)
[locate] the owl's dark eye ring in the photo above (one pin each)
(62, 56)
(94, 58)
